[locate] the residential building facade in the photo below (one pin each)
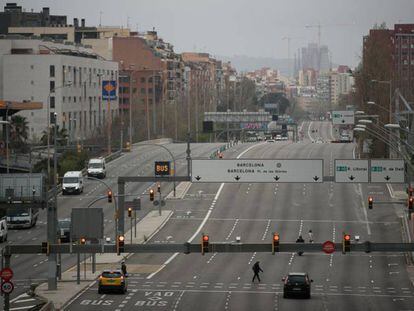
(67, 79)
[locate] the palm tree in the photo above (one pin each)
(19, 132)
(62, 136)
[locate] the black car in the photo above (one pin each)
(64, 230)
(297, 284)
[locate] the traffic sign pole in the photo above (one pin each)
(6, 295)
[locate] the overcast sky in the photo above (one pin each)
(243, 27)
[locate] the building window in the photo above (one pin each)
(52, 118)
(32, 67)
(52, 71)
(142, 91)
(150, 80)
(32, 114)
(74, 76)
(63, 99)
(150, 90)
(52, 102)
(74, 99)
(52, 86)
(143, 80)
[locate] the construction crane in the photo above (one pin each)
(319, 26)
(288, 42)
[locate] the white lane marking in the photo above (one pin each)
(364, 208)
(266, 230)
(21, 308)
(309, 134)
(25, 300)
(20, 296)
(204, 220)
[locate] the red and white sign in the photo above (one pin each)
(6, 274)
(328, 247)
(7, 287)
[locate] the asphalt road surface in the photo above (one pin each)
(355, 281)
(139, 162)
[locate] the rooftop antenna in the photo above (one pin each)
(100, 18)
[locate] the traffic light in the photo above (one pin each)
(159, 187)
(410, 191)
(220, 155)
(410, 203)
(45, 248)
(120, 245)
(151, 194)
(82, 241)
(204, 244)
(370, 202)
(346, 243)
(79, 148)
(130, 212)
(275, 243)
(109, 196)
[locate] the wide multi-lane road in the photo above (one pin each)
(139, 162)
(218, 281)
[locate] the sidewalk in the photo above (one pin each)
(67, 287)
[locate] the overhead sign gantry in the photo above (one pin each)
(257, 171)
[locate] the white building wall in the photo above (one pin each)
(27, 77)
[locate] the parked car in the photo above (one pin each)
(3, 229)
(279, 137)
(297, 284)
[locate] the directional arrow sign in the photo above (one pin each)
(351, 171)
(257, 170)
(387, 171)
(343, 117)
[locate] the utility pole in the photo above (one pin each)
(52, 218)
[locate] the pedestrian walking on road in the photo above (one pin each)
(256, 269)
(124, 269)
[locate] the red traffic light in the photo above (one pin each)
(347, 237)
(370, 199)
(205, 238)
(275, 237)
(121, 238)
(109, 196)
(82, 240)
(370, 202)
(410, 202)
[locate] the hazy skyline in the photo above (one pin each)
(242, 27)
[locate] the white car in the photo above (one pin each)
(270, 140)
(279, 137)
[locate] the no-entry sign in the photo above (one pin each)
(328, 247)
(6, 274)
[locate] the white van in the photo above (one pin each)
(96, 168)
(72, 182)
(3, 229)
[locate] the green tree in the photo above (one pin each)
(275, 98)
(62, 136)
(18, 133)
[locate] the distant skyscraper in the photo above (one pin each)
(316, 58)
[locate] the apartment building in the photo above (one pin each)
(66, 78)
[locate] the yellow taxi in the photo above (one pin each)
(112, 280)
